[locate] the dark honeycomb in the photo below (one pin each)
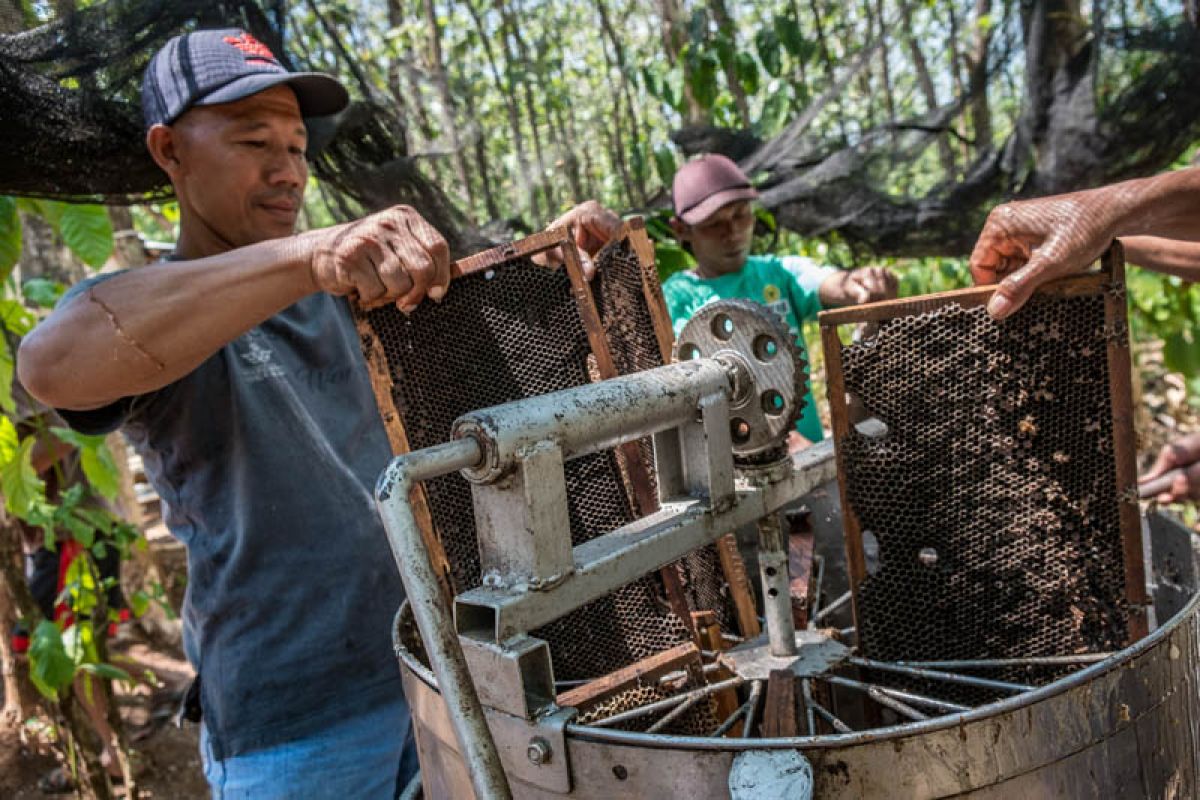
(998, 460)
(514, 331)
(699, 720)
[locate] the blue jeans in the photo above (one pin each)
(370, 756)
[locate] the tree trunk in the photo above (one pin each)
(977, 72)
(437, 69)
(621, 90)
(674, 38)
(518, 40)
(727, 29)
(43, 254)
(884, 65)
(925, 82)
(508, 91)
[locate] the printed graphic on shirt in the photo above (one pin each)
(771, 293)
(258, 356)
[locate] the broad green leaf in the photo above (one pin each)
(670, 258)
(21, 485)
(7, 366)
(87, 230)
(10, 236)
(80, 530)
(747, 72)
(97, 461)
(79, 639)
(139, 603)
(725, 51)
(50, 667)
(702, 75)
(664, 163)
(16, 317)
(788, 30)
(43, 292)
(766, 42)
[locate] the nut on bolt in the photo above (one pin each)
(539, 751)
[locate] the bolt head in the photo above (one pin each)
(539, 751)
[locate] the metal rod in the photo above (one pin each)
(755, 692)
(673, 715)
(898, 694)
(776, 591)
(948, 677)
(832, 607)
(895, 705)
(669, 702)
(806, 692)
(432, 613)
(988, 663)
(724, 727)
(828, 716)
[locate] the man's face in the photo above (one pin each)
(721, 242)
(239, 169)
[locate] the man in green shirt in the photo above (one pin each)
(714, 217)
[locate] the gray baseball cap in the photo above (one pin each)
(219, 66)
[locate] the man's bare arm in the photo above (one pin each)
(1030, 242)
(1169, 256)
(144, 329)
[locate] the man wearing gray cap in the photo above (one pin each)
(235, 370)
(714, 218)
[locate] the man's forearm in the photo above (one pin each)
(142, 330)
(1170, 256)
(1166, 205)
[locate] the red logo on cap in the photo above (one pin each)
(253, 48)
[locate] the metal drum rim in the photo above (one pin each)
(584, 733)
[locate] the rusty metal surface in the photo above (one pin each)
(997, 495)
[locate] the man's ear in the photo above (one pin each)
(682, 231)
(163, 144)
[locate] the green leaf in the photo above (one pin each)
(725, 51)
(670, 258)
(1181, 354)
(9, 440)
(21, 485)
(108, 671)
(747, 72)
(50, 667)
(87, 230)
(10, 236)
(43, 292)
(97, 461)
(7, 367)
(664, 163)
(789, 35)
(16, 317)
(702, 75)
(139, 603)
(767, 43)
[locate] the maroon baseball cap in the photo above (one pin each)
(704, 186)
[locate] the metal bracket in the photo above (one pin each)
(522, 522)
(515, 676)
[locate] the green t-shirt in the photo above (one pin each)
(787, 285)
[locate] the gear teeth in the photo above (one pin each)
(763, 320)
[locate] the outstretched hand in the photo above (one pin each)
(594, 225)
(862, 285)
(391, 256)
(1027, 243)
(1182, 455)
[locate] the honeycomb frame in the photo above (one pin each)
(510, 328)
(991, 542)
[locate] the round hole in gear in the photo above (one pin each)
(765, 347)
(722, 327)
(739, 430)
(689, 352)
(620, 773)
(772, 402)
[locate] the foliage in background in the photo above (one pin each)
(59, 651)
